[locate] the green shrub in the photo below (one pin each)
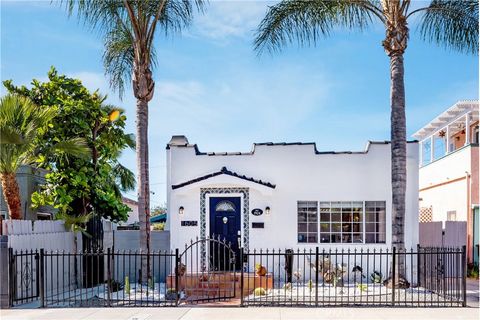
(472, 271)
(171, 294)
(159, 226)
(259, 292)
(115, 286)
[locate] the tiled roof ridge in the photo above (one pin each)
(224, 170)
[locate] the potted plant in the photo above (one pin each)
(171, 294)
(260, 270)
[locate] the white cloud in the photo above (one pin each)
(92, 80)
(251, 106)
(224, 19)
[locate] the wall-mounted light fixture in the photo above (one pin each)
(225, 220)
(267, 210)
(180, 210)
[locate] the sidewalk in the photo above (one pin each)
(473, 293)
(223, 313)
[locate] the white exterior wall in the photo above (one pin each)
(132, 215)
(450, 196)
(299, 174)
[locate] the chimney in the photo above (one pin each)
(179, 140)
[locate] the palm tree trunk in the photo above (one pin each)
(143, 186)
(398, 159)
(11, 194)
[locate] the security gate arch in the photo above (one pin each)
(206, 271)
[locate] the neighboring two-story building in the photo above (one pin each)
(449, 170)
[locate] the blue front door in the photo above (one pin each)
(225, 223)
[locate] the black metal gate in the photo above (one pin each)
(93, 263)
(24, 276)
(206, 271)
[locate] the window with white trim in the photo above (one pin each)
(307, 221)
(375, 222)
(452, 215)
(342, 222)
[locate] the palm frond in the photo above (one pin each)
(128, 28)
(452, 24)
(130, 141)
(9, 135)
(118, 57)
(125, 178)
(75, 223)
(20, 120)
(305, 22)
(75, 147)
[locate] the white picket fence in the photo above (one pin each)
(17, 227)
(54, 241)
(33, 235)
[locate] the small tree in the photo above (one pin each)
(22, 125)
(80, 186)
(157, 210)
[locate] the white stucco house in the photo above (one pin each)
(133, 218)
(287, 195)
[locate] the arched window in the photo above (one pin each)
(225, 206)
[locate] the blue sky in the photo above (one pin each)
(212, 87)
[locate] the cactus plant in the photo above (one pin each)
(310, 285)
(127, 285)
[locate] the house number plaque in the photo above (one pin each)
(189, 223)
(257, 212)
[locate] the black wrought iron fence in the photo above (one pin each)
(74, 279)
(24, 276)
(314, 277)
(319, 277)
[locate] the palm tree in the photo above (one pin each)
(129, 28)
(453, 24)
(21, 124)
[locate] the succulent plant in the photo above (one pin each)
(376, 277)
(287, 286)
(310, 285)
(259, 292)
(362, 287)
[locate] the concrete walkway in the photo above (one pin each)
(223, 313)
(236, 313)
(473, 293)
